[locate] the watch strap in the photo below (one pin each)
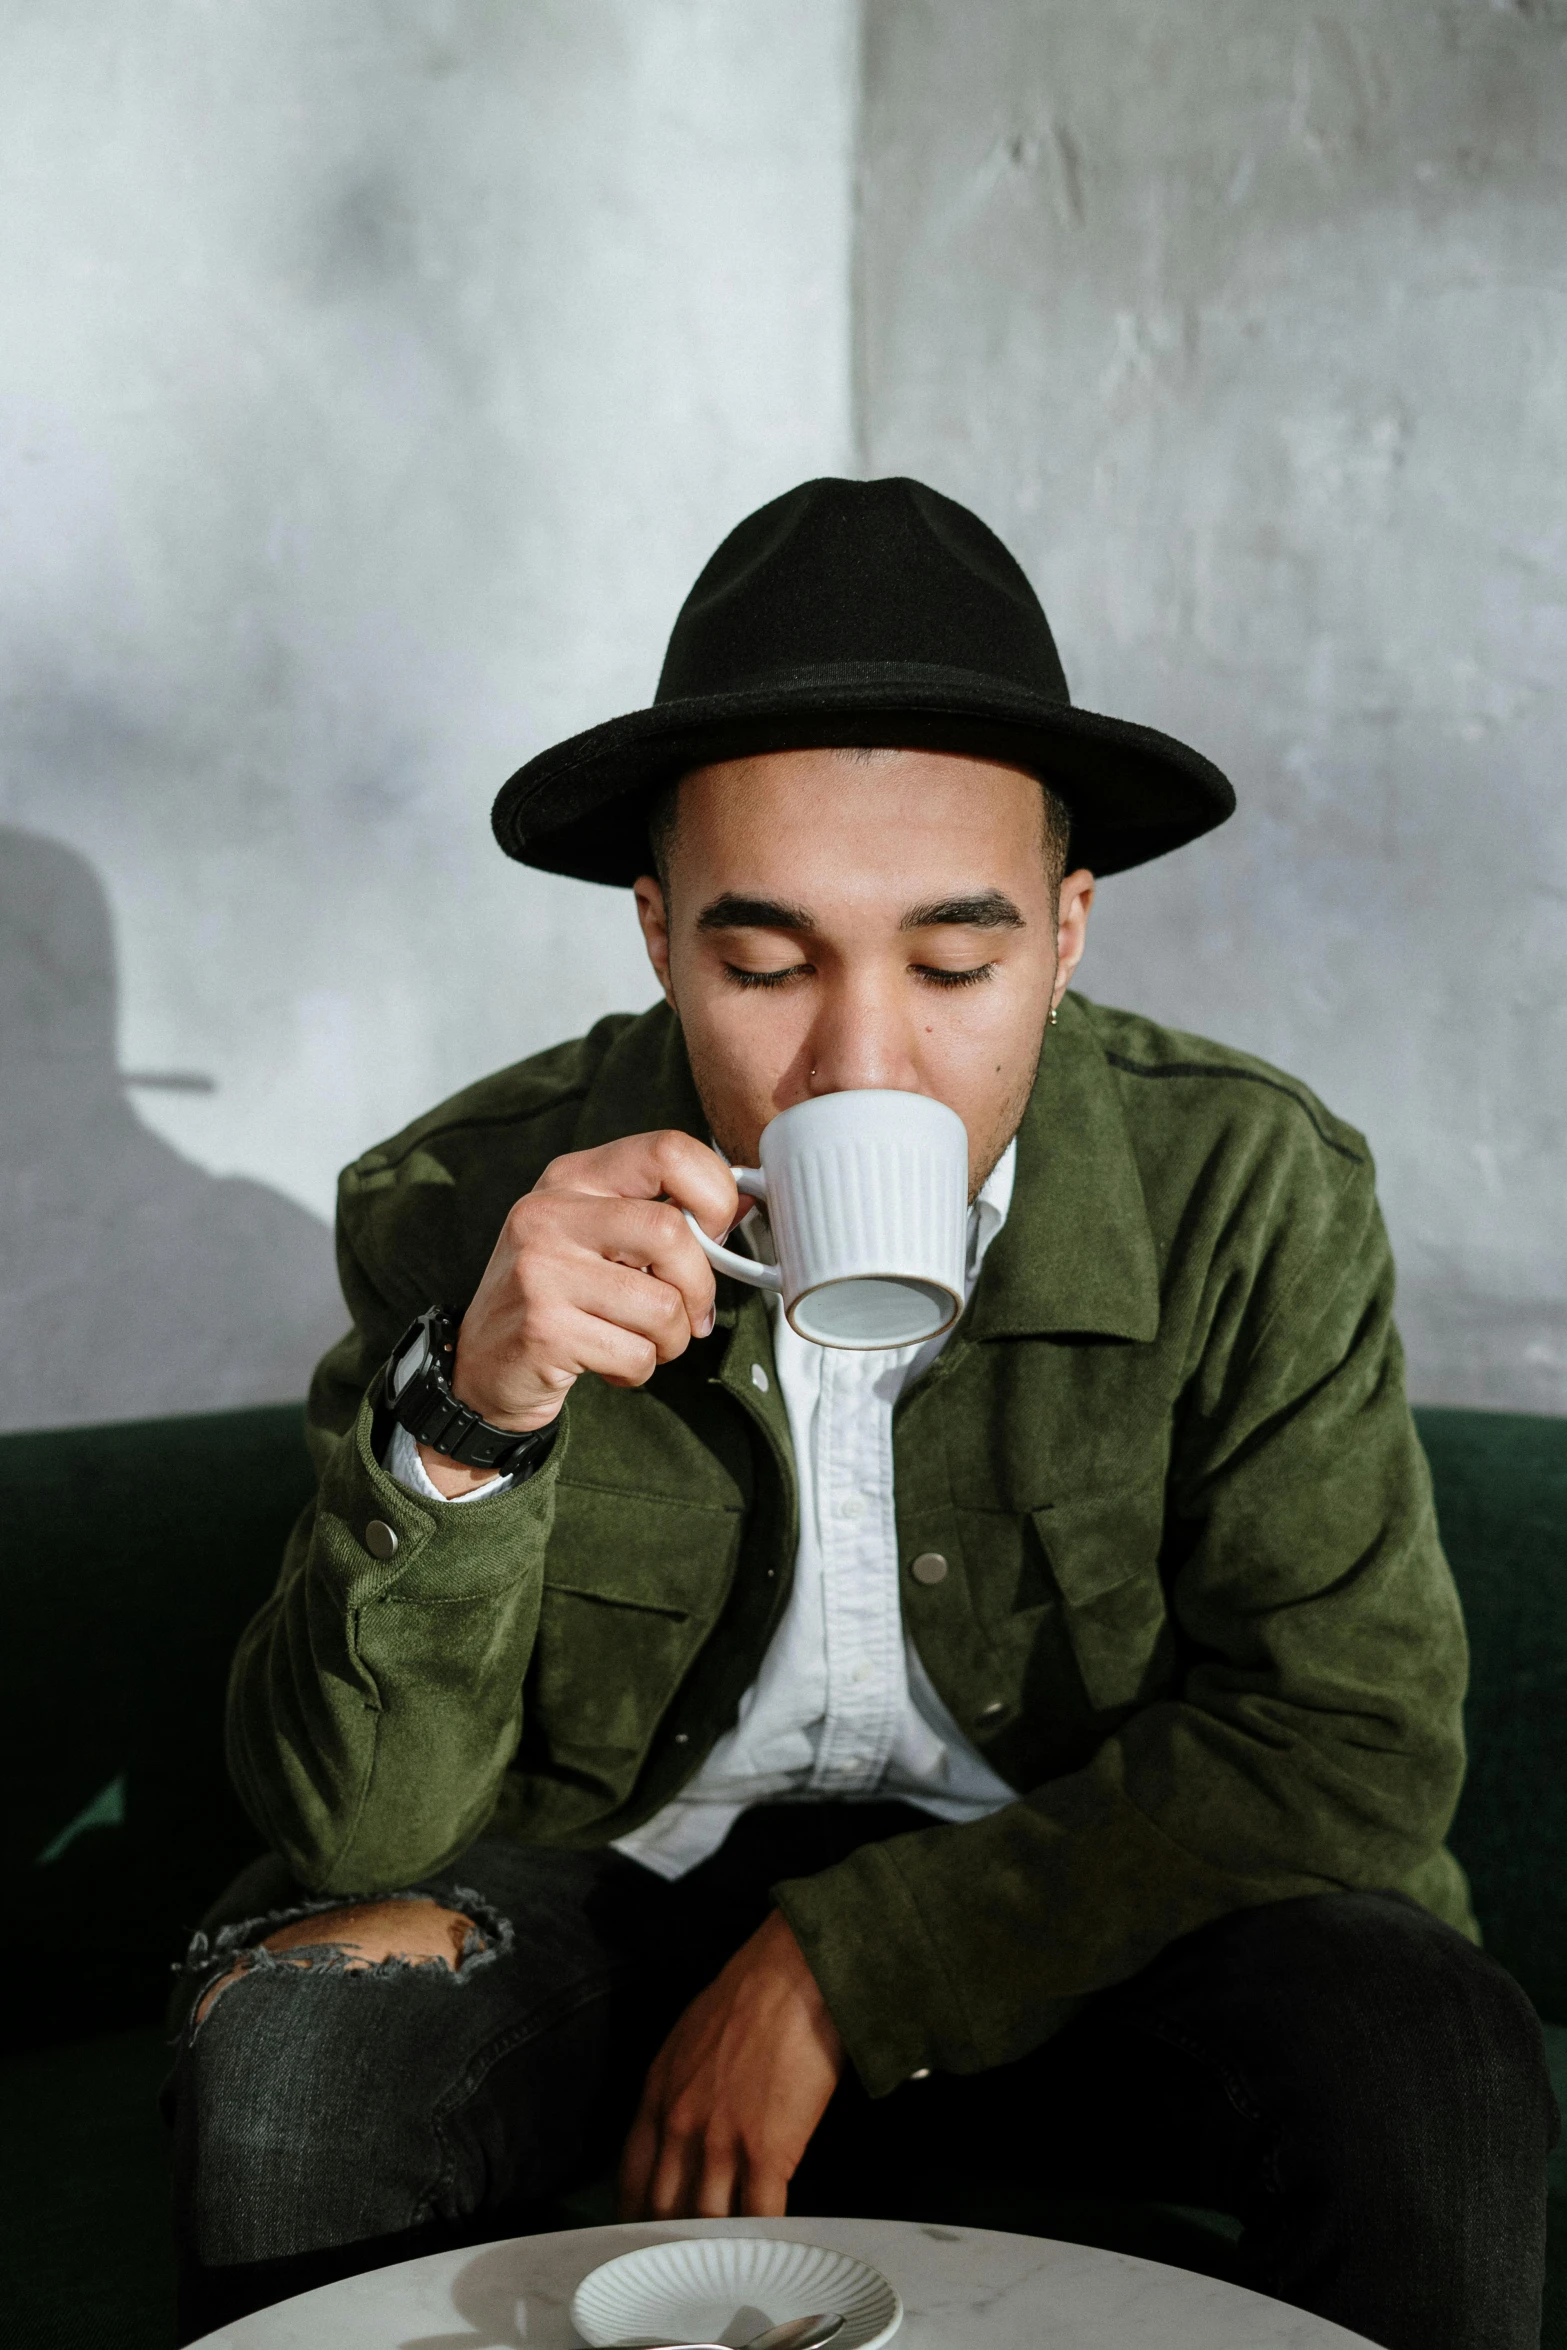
(432, 1415)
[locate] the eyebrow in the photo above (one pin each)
(987, 910)
(736, 913)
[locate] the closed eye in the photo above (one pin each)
(744, 978)
(937, 977)
(933, 974)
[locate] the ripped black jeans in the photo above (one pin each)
(1361, 2089)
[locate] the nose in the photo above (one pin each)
(861, 1038)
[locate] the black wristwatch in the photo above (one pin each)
(418, 1394)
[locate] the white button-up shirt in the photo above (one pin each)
(842, 1706)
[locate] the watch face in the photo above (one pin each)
(409, 1364)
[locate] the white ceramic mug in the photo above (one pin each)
(867, 1196)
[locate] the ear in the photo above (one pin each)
(1076, 897)
(653, 915)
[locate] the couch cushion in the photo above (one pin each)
(1501, 1497)
(133, 1557)
(135, 1554)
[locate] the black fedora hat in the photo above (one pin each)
(859, 612)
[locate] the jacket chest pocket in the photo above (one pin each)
(1104, 1554)
(633, 1585)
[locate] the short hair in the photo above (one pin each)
(663, 815)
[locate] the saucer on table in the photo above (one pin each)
(696, 2288)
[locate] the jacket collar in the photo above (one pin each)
(1076, 1253)
(643, 1084)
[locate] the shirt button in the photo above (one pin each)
(929, 1567)
(852, 1506)
(759, 1379)
(380, 1540)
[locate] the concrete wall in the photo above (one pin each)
(1246, 324)
(377, 377)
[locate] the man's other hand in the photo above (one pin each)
(596, 1269)
(734, 2094)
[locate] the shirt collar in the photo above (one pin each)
(989, 1211)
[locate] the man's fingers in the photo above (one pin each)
(595, 1270)
(578, 1238)
(638, 1303)
(716, 2187)
(591, 1342)
(764, 2192)
(674, 2177)
(640, 2152)
(665, 1165)
(677, 2177)
(622, 1325)
(657, 1238)
(636, 2165)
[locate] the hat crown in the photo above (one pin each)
(859, 612)
(845, 575)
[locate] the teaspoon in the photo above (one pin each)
(796, 2333)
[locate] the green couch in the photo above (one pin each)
(132, 1557)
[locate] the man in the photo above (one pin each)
(1040, 1742)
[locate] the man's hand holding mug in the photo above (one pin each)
(604, 1266)
(596, 1269)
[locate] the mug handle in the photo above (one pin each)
(751, 1183)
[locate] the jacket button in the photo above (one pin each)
(682, 1737)
(929, 1567)
(380, 1540)
(991, 1712)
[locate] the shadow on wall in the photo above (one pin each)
(132, 1283)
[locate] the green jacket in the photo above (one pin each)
(1197, 1614)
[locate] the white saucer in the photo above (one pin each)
(723, 2288)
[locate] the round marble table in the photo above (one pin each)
(962, 2288)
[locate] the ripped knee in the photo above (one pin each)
(385, 1937)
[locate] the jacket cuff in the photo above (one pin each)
(400, 1458)
(437, 1552)
(886, 1988)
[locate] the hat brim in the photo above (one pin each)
(580, 807)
